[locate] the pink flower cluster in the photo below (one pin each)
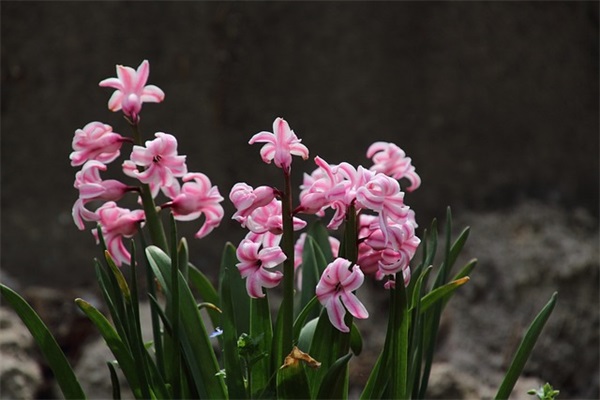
(156, 164)
(260, 212)
(386, 235)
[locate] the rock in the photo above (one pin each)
(93, 373)
(525, 254)
(20, 373)
(446, 382)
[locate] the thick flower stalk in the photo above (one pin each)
(335, 292)
(131, 90)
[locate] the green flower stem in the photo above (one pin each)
(351, 235)
(288, 268)
(153, 221)
(351, 254)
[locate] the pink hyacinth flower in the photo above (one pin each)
(247, 199)
(383, 256)
(254, 265)
(91, 187)
(266, 239)
(118, 223)
(280, 145)
(132, 90)
(160, 160)
(334, 292)
(198, 197)
(268, 219)
(96, 141)
(391, 160)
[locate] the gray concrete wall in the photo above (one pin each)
(494, 101)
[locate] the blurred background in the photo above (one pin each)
(495, 102)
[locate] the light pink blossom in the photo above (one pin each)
(334, 292)
(391, 160)
(280, 145)
(268, 219)
(131, 170)
(96, 141)
(160, 161)
(131, 90)
(384, 257)
(254, 265)
(247, 199)
(198, 197)
(91, 187)
(326, 188)
(266, 239)
(118, 223)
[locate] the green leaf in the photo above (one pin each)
(356, 340)
(238, 293)
(261, 330)
(320, 235)
(525, 349)
(335, 380)
(116, 346)
(457, 247)
(207, 291)
(442, 293)
(302, 316)
(193, 337)
(120, 278)
(114, 379)
(306, 334)
(416, 342)
(328, 344)
(232, 360)
(313, 265)
(52, 352)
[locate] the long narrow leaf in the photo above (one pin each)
(207, 292)
(116, 346)
(261, 331)
(335, 380)
(114, 379)
(232, 360)
(313, 265)
(442, 293)
(50, 349)
(525, 349)
(457, 247)
(193, 337)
